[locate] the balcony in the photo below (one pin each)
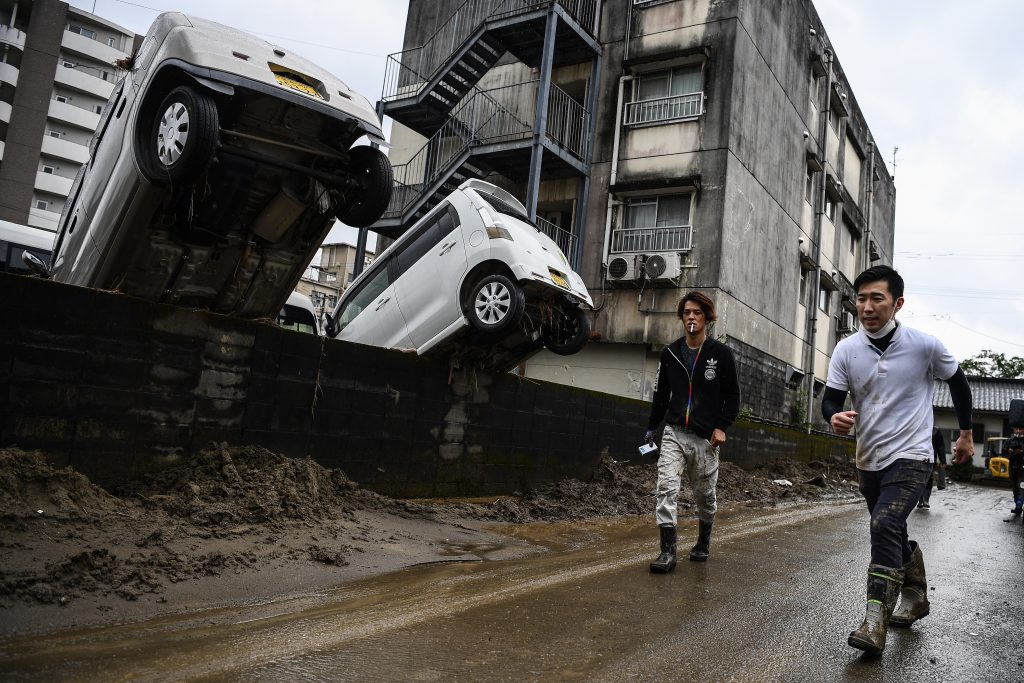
(76, 116)
(664, 109)
(9, 74)
(53, 184)
(12, 36)
(41, 218)
(94, 49)
(5, 112)
(85, 82)
(668, 238)
(1, 150)
(62, 149)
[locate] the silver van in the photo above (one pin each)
(219, 164)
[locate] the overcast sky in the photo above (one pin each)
(942, 80)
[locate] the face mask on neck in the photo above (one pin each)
(884, 330)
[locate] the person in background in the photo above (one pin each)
(697, 394)
(1015, 454)
(887, 369)
(938, 469)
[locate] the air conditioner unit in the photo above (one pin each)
(846, 321)
(663, 266)
(624, 268)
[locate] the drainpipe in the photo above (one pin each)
(865, 256)
(819, 217)
(615, 169)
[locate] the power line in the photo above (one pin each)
(944, 317)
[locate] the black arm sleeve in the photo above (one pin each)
(960, 392)
(832, 403)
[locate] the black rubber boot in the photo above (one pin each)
(883, 590)
(914, 594)
(702, 550)
(666, 561)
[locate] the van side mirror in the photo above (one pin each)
(328, 325)
(35, 265)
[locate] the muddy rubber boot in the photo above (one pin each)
(702, 550)
(883, 590)
(914, 594)
(666, 561)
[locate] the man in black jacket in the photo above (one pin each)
(698, 396)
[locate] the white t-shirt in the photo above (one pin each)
(892, 393)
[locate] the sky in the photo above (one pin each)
(941, 80)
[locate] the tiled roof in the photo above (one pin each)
(991, 395)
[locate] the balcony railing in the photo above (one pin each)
(565, 240)
(408, 71)
(12, 36)
(664, 109)
(667, 238)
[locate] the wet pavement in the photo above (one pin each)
(776, 601)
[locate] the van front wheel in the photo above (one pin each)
(570, 332)
(183, 138)
(496, 304)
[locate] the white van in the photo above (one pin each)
(219, 165)
(474, 277)
(299, 314)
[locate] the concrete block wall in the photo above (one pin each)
(117, 387)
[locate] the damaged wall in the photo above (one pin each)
(117, 387)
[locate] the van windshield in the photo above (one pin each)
(504, 207)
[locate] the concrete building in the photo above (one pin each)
(330, 273)
(57, 69)
(666, 145)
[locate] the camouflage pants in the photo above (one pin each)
(685, 450)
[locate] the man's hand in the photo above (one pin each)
(843, 421)
(963, 449)
(649, 436)
(717, 438)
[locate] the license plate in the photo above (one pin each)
(297, 85)
(559, 280)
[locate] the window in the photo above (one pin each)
(47, 169)
(98, 108)
(830, 208)
(69, 65)
(368, 291)
(816, 82)
(663, 96)
(658, 223)
(853, 242)
(833, 119)
(803, 286)
(85, 32)
(110, 42)
(809, 187)
(824, 300)
(55, 133)
(40, 204)
(61, 98)
(105, 75)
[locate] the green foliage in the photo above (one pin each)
(798, 411)
(991, 364)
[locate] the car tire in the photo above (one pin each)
(572, 335)
(183, 138)
(374, 178)
(496, 304)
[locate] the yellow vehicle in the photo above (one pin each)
(998, 465)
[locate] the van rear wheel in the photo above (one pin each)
(496, 304)
(372, 171)
(183, 138)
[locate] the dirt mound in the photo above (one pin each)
(30, 486)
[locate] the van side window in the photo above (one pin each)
(368, 291)
(428, 237)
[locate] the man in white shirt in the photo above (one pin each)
(888, 370)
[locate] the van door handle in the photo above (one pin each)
(380, 304)
(446, 248)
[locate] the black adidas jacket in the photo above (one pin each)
(715, 402)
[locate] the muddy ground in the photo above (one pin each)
(242, 524)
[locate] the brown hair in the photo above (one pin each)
(702, 300)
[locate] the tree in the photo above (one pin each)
(991, 364)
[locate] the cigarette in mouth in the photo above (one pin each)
(692, 325)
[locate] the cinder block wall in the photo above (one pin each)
(116, 387)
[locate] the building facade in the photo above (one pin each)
(330, 273)
(668, 145)
(57, 69)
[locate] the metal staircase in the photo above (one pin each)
(504, 133)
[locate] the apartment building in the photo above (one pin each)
(667, 145)
(330, 273)
(57, 69)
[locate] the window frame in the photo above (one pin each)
(667, 102)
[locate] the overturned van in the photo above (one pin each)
(220, 163)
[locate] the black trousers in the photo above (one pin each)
(891, 495)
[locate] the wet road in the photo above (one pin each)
(775, 603)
